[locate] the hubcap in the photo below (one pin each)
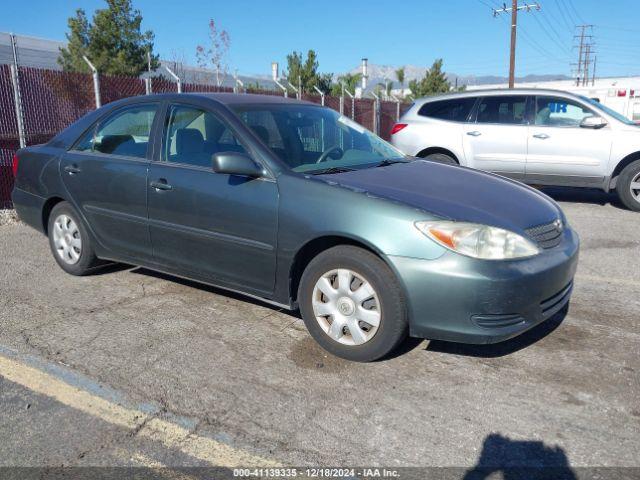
(66, 239)
(635, 187)
(346, 307)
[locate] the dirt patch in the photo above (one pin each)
(306, 353)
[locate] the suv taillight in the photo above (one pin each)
(397, 127)
(14, 165)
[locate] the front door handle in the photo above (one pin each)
(72, 169)
(160, 184)
(475, 133)
(541, 136)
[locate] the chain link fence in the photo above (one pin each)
(51, 100)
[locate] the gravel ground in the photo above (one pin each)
(8, 217)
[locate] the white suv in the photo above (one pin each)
(541, 137)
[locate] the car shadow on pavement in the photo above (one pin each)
(501, 349)
(520, 459)
(583, 195)
(209, 288)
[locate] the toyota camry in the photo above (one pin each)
(296, 205)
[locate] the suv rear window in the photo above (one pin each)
(455, 110)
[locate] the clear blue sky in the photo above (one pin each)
(462, 32)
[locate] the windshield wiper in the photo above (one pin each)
(331, 170)
(388, 161)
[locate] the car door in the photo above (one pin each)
(105, 173)
(218, 227)
(497, 140)
(560, 150)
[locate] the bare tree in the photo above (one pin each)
(178, 63)
(214, 53)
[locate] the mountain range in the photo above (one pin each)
(382, 73)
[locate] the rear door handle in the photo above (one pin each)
(541, 136)
(475, 133)
(72, 169)
(160, 184)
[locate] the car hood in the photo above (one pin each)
(453, 192)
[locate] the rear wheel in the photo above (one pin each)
(70, 242)
(352, 304)
(441, 158)
(628, 186)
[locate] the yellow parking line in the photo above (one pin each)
(157, 467)
(167, 433)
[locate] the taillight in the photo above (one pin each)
(14, 165)
(397, 127)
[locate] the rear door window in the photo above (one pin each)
(126, 133)
(455, 110)
(505, 110)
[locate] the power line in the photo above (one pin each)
(569, 14)
(534, 44)
(559, 39)
(552, 20)
(573, 7)
(607, 27)
(563, 16)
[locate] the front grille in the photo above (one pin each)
(548, 235)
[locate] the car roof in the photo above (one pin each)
(223, 98)
(496, 91)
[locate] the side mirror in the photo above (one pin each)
(233, 163)
(593, 121)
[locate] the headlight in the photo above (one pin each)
(478, 241)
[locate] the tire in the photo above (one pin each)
(351, 309)
(629, 196)
(441, 158)
(78, 258)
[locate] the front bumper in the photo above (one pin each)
(462, 299)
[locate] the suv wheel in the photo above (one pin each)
(69, 240)
(628, 186)
(441, 158)
(352, 304)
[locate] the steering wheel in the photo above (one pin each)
(335, 149)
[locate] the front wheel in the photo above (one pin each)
(352, 304)
(628, 186)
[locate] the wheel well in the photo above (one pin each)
(46, 211)
(431, 150)
(312, 249)
(623, 164)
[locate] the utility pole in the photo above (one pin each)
(593, 76)
(585, 49)
(514, 26)
(587, 61)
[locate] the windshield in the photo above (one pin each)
(609, 111)
(311, 138)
